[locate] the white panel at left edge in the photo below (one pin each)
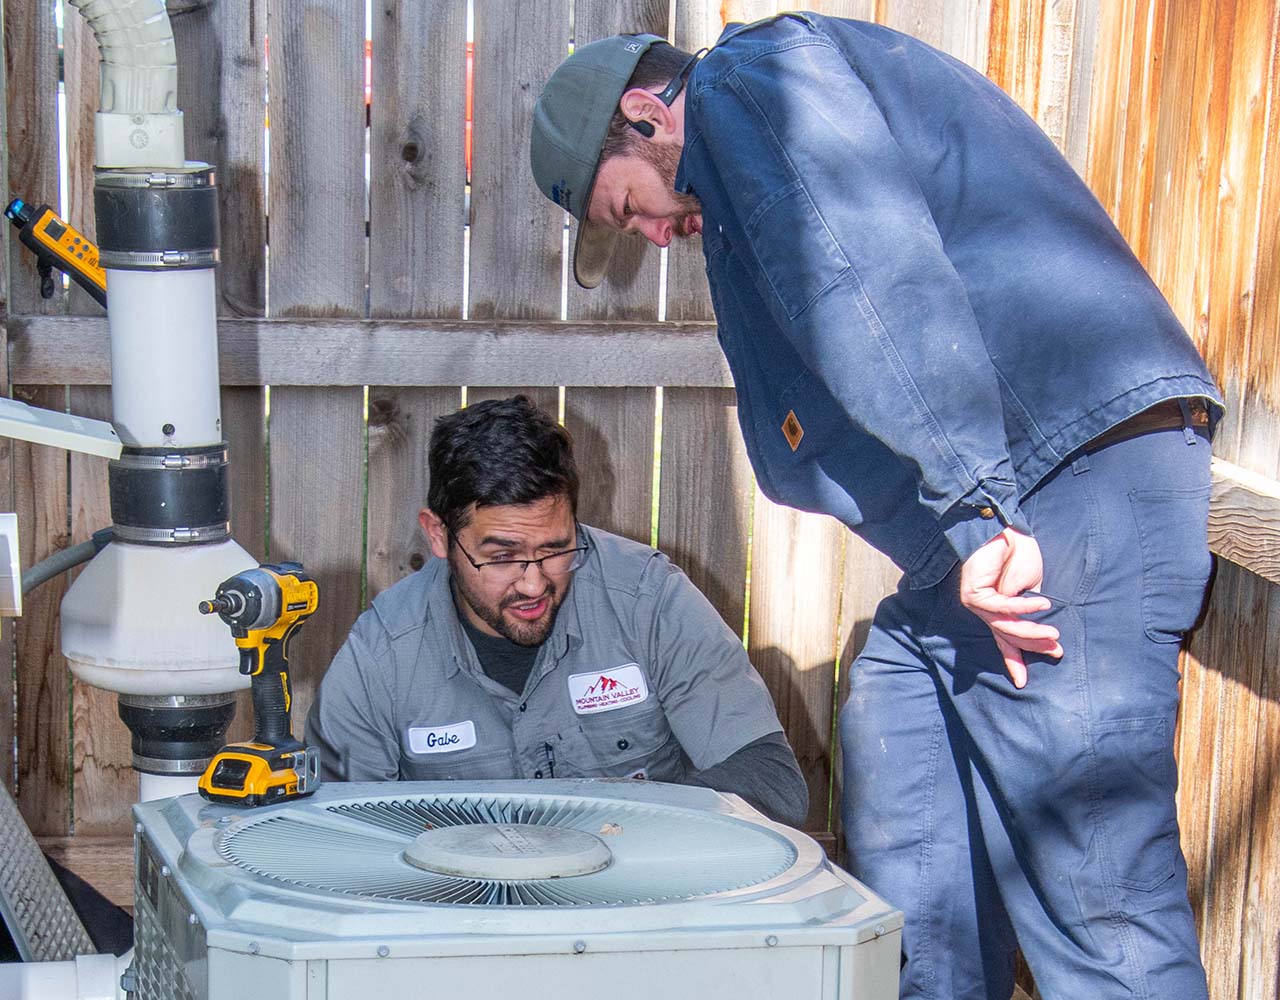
(61, 430)
(10, 567)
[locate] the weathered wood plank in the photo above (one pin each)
(957, 27)
(317, 267)
(613, 443)
(106, 863)
(417, 172)
(222, 93)
(7, 626)
(52, 350)
(317, 501)
(869, 577)
(746, 11)
(105, 783)
(317, 148)
(400, 423)
(630, 291)
(80, 71)
(792, 633)
(704, 503)
(43, 684)
(31, 94)
(516, 253)
(545, 397)
(613, 429)
(1260, 945)
(698, 24)
(1244, 519)
(244, 428)
(1240, 642)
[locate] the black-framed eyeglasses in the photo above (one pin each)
(511, 570)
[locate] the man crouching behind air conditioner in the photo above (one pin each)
(538, 647)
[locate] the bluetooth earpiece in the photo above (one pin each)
(643, 127)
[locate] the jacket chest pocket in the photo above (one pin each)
(627, 744)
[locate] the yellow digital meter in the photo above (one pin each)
(57, 244)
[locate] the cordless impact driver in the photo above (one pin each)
(265, 607)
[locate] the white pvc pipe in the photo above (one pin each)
(163, 786)
(164, 357)
(86, 977)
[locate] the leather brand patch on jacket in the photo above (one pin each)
(792, 430)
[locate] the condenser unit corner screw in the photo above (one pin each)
(771, 941)
(129, 981)
(879, 930)
(192, 919)
(579, 947)
(137, 827)
(164, 871)
(383, 951)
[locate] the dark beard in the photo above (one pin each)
(521, 633)
(665, 158)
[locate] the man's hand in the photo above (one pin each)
(991, 581)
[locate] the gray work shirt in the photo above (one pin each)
(639, 677)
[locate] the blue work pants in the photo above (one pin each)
(1042, 818)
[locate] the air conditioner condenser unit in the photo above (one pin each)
(486, 890)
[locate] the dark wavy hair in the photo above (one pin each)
(657, 67)
(495, 453)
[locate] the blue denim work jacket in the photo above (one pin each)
(924, 308)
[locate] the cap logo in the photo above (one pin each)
(561, 193)
(632, 46)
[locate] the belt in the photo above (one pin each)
(1160, 417)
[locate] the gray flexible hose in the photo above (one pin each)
(64, 560)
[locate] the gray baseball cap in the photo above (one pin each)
(570, 122)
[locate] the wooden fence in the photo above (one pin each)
(393, 282)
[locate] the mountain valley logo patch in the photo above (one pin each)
(605, 690)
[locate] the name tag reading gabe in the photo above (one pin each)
(605, 690)
(442, 739)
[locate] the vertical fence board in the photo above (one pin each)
(613, 429)
(1260, 945)
(705, 500)
(42, 694)
(869, 576)
(958, 27)
(43, 689)
(80, 72)
(31, 93)
(704, 503)
(317, 267)
(1238, 663)
(613, 442)
(104, 781)
(795, 593)
(400, 422)
(515, 242)
(698, 23)
(417, 169)
(631, 289)
(416, 211)
(7, 626)
(317, 503)
(222, 93)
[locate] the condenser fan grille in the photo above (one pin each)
(372, 848)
